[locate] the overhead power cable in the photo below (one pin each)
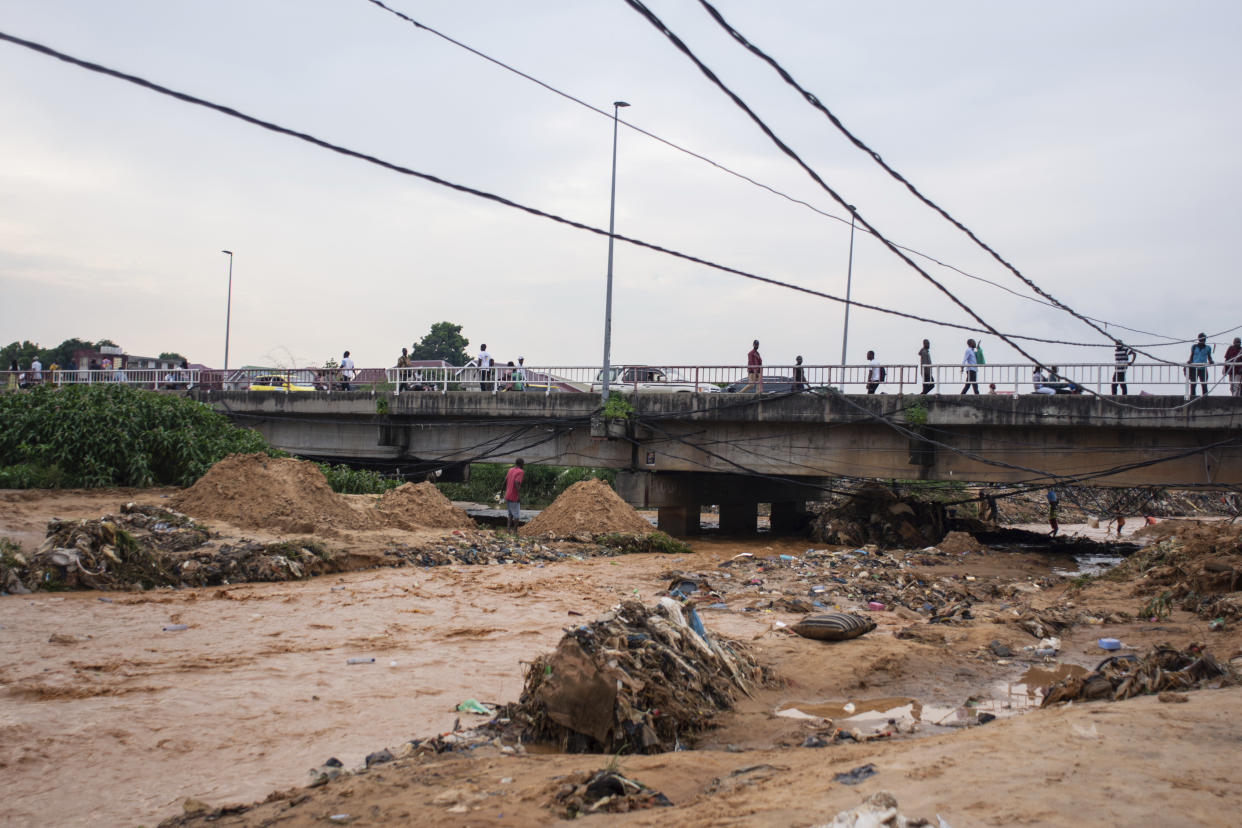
(817, 104)
(742, 176)
(319, 142)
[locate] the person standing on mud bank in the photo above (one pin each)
(925, 360)
(970, 367)
(754, 370)
(513, 494)
(1052, 512)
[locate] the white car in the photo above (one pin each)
(629, 378)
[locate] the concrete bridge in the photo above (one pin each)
(680, 451)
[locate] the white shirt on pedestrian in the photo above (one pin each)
(873, 375)
(347, 367)
(969, 360)
(485, 359)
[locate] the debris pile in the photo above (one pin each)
(875, 515)
(254, 491)
(113, 552)
(1162, 669)
(879, 810)
(584, 510)
(421, 506)
(637, 680)
(603, 792)
(1197, 566)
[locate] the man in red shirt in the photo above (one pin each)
(513, 490)
(754, 370)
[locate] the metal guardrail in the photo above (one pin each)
(1011, 378)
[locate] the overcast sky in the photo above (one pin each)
(1093, 144)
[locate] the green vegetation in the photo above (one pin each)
(444, 341)
(25, 351)
(345, 480)
(618, 407)
(655, 542)
(540, 485)
(113, 435)
(916, 414)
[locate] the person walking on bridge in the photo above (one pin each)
(347, 371)
(1233, 366)
(1123, 358)
(754, 370)
(486, 371)
(1200, 359)
(513, 494)
(970, 367)
(925, 360)
(799, 375)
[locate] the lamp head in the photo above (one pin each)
(619, 104)
(230, 252)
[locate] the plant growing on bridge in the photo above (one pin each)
(618, 407)
(916, 414)
(113, 435)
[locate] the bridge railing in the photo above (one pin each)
(999, 378)
(166, 379)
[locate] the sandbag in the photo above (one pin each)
(833, 626)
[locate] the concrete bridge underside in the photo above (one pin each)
(681, 451)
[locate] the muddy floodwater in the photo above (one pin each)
(117, 707)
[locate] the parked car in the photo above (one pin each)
(771, 385)
(628, 378)
(278, 382)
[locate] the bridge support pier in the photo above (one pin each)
(739, 518)
(679, 521)
(789, 516)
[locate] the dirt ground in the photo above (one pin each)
(98, 701)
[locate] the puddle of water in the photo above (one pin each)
(1093, 564)
(862, 710)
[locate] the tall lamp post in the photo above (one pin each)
(849, 277)
(228, 310)
(612, 214)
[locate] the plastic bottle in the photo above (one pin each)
(174, 627)
(359, 661)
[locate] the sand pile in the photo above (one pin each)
(590, 507)
(421, 506)
(277, 494)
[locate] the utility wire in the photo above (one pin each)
(723, 168)
(815, 102)
(319, 142)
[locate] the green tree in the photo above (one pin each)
(444, 341)
(173, 355)
(23, 352)
(63, 352)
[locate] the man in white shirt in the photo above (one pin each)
(874, 377)
(486, 374)
(36, 370)
(970, 366)
(347, 371)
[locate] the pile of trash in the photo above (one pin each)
(637, 680)
(1197, 566)
(584, 510)
(280, 494)
(603, 792)
(880, 810)
(486, 548)
(136, 547)
(421, 506)
(1163, 669)
(874, 514)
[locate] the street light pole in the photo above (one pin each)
(612, 214)
(228, 310)
(849, 277)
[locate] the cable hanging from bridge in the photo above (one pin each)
(748, 179)
(818, 105)
(319, 142)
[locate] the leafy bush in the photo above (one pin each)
(113, 435)
(345, 480)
